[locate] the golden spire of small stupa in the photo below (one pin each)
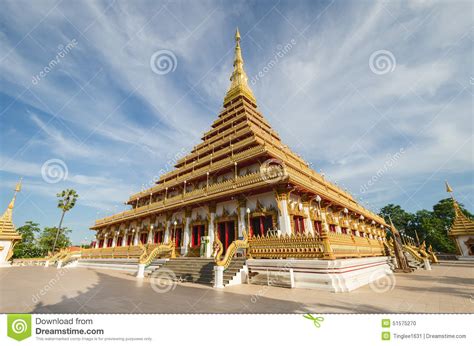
(239, 80)
(462, 224)
(7, 215)
(7, 229)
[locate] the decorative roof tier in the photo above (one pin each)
(238, 136)
(7, 229)
(462, 225)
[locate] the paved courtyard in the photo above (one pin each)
(448, 288)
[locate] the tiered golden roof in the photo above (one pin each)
(462, 225)
(7, 229)
(240, 135)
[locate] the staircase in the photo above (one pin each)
(412, 262)
(198, 270)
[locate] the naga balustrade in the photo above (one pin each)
(157, 250)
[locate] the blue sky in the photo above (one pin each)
(377, 95)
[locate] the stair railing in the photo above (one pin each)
(146, 259)
(70, 256)
(414, 253)
(432, 255)
(231, 250)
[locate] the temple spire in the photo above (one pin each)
(457, 210)
(8, 214)
(238, 79)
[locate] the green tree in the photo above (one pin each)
(444, 210)
(28, 247)
(402, 220)
(430, 226)
(51, 236)
(67, 201)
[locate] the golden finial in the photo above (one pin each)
(448, 188)
(457, 209)
(238, 79)
(18, 185)
(7, 215)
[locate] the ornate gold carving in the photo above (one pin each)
(287, 246)
(163, 249)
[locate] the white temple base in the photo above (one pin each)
(5, 246)
(342, 275)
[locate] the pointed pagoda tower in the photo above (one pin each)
(462, 229)
(8, 235)
(241, 176)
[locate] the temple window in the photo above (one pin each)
(109, 242)
(178, 236)
(101, 243)
(344, 230)
(158, 237)
(318, 227)
(129, 240)
(299, 224)
(260, 225)
(226, 232)
(143, 238)
(119, 241)
(332, 228)
(197, 233)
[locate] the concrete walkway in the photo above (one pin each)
(448, 288)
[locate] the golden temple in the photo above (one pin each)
(241, 176)
(242, 207)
